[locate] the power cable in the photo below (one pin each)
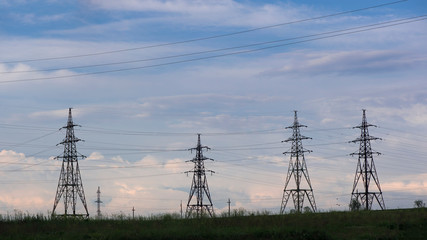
(206, 38)
(210, 51)
(207, 57)
(131, 132)
(25, 127)
(35, 139)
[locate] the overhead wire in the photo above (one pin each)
(35, 139)
(25, 127)
(89, 179)
(206, 38)
(248, 180)
(207, 51)
(32, 155)
(344, 32)
(133, 132)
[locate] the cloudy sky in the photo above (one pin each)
(145, 76)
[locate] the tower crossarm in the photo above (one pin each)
(365, 125)
(300, 137)
(293, 153)
(365, 138)
(295, 126)
(363, 154)
(66, 141)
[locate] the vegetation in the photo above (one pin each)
(355, 205)
(389, 224)
(419, 204)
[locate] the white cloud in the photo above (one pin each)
(95, 156)
(174, 165)
(415, 184)
(224, 12)
(353, 62)
(32, 19)
(163, 6)
(149, 160)
(415, 114)
(128, 190)
(62, 113)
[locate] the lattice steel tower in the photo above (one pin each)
(199, 186)
(366, 170)
(98, 203)
(70, 184)
(298, 170)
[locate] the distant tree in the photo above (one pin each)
(355, 205)
(307, 209)
(419, 204)
(240, 212)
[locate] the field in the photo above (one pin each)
(390, 224)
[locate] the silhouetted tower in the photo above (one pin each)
(70, 184)
(98, 203)
(297, 170)
(366, 170)
(199, 186)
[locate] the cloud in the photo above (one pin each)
(32, 19)
(11, 156)
(414, 184)
(355, 62)
(128, 190)
(415, 114)
(94, 156)
(163, 6)
(224, 12)
(62, 113)
(29, 193)
(10, 2)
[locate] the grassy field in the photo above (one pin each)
(390, 224)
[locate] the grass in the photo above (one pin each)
(390, 224)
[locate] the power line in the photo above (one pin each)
(209, 51)
(89, 179)
(24, 127)
(131, 132)
(35, 139)
(210, 57)
(206, 38)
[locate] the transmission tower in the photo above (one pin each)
(98, 203)
(199, 186)
(298, 170)
(366, 170)
(70, 184)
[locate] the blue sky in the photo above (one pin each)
(130, 117)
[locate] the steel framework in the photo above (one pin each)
(366, 170)
(298, 170)
(70, 184)
(98, 203)
(199, 185)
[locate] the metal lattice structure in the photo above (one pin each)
(199, 186)
(297, 170)
(366, 170)
(98, 203)
(70, 186)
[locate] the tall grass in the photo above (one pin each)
(242, 224)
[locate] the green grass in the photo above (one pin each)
(390, 224)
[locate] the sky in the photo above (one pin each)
(144, 77)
